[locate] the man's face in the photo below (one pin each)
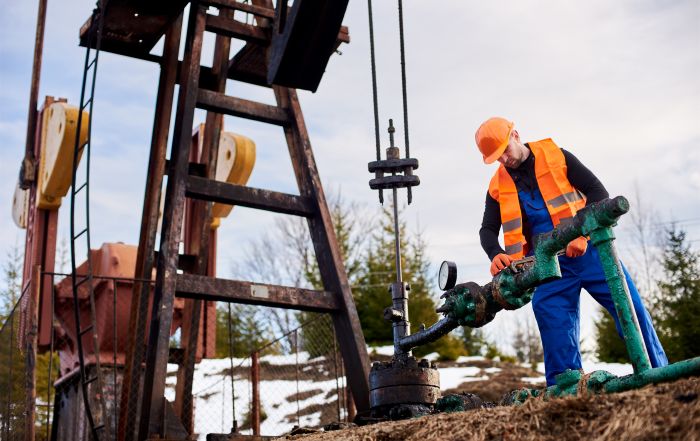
(515, 153)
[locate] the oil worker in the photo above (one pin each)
(536, 186)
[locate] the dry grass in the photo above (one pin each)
(664, 412)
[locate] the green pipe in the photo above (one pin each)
(602, 239)
(672, 372)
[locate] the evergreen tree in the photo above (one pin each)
(246, 335)
(12, 275)
(351, 231)
(679, 300)
(528, 344)
(473, 340)
(372, 295)
(610, 347)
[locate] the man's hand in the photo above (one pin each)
(499, 262)
(577, 247)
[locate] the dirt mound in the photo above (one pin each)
(663, 412)
(502, 378)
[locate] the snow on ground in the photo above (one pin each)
(619, 369)
(214, 408)
(454, 376)
(469, 358)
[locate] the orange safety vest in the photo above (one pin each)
(561, 198)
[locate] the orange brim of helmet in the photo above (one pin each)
(499, 151)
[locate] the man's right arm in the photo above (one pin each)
(490, 227)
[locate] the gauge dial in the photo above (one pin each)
(447, 276)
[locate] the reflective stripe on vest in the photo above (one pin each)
(562, 199)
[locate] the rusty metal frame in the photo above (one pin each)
(135, 346)
(153, 401)
(180, 185)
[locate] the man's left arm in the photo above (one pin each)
(583, 179)
(587, 183)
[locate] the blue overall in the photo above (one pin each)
(556, 304)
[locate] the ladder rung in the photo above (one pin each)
(223, 290)
(222, 103)
(90, 380)
(86, 104)
(80, 234)
(86, 330)
(100, 427)
(232, 194)
(231, 28)
(244, 7)
(94, 60)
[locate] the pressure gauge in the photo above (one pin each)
(447, 276)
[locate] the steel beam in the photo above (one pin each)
(221, 103)
(236, 291)
(153, 402)
(135, 344)
(233, 194)
(235, 29)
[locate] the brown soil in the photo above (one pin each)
(663, 412)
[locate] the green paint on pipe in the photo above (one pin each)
(603, 241)
(672, 372)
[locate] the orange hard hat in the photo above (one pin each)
(492, 138)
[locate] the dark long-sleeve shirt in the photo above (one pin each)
(524, 178)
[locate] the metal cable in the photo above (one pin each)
(403, 79)
(374, 79)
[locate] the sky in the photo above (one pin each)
(615, 83)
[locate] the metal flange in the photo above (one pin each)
(403, 381)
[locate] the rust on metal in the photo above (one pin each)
(198, 232)
(40, 243)
(221, 103)
(135, 345)
(255, 385)
(243, 7)
(244, 196)
(151, 421)
(134, 28)
(209, 288)
(403, 381)
(234, 29)
(29, 163)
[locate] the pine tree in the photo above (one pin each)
(246, 335)
(473, 340)
(610, 347)
(372, 295)
(12, 274)
(679, 300)
(528, 344)
(351, 231)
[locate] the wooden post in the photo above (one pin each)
(255, 380)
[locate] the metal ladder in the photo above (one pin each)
(335, 299)
(100, 427)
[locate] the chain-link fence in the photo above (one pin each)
(293, 379)
(13, 401)
(297, 379)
